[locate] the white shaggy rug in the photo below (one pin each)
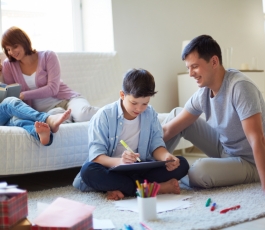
(249, 196)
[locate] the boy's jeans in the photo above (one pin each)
(96, 176)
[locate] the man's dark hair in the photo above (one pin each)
(206, 47)
(139, 83)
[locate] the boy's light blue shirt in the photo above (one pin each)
(106, 125)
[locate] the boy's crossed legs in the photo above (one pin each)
(118, 185)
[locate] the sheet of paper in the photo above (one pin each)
(165, 202)
(10, 191)
(102, 224)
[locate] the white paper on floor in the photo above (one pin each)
(102, 224)
(165, 202)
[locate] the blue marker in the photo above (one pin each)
(128, 227)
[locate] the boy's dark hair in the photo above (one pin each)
(206, 47)
(16, 36)
(139, 83)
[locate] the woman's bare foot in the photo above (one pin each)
(170, 186)
(43, 131)
(54, 121)
(114, 195)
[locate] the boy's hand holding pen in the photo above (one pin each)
(131, 152)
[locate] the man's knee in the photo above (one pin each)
(172, 114)
(200, 175)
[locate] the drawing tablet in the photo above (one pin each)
(139, 165)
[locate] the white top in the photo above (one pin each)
(130, 134)
(41, 104)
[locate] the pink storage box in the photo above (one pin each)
(13, 210)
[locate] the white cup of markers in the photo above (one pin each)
(146, 199)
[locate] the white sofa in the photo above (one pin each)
(98, 77)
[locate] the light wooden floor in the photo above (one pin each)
(192, 154)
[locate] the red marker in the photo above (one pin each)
(228, 209)
(213, 207)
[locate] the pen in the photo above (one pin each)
(228, 209)
(213, 207)
(208, 202)
(128, 148)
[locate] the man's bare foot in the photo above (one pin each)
(114, 195)
(170, 186)
(43, 131)
(54, 121)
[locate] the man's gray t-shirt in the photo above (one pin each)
(237, 99)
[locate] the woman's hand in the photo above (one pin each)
(128, 157)
(21, 96)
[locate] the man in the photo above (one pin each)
(232, 133)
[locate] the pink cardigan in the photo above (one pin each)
(48, 78)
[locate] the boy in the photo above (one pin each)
(130, 119)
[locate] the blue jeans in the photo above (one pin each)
(14, 112)
(98, 177)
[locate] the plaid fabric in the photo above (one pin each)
(86, 224)
(13, 210)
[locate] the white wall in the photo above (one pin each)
(149, 34)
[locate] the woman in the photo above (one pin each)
(38, 72)
(14, 112)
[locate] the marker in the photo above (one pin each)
(151, 189)
(208, 202)
(138, 184)
(145, 226)
(128, 148)
(128, 227)
(228, 209)
(213, 207)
